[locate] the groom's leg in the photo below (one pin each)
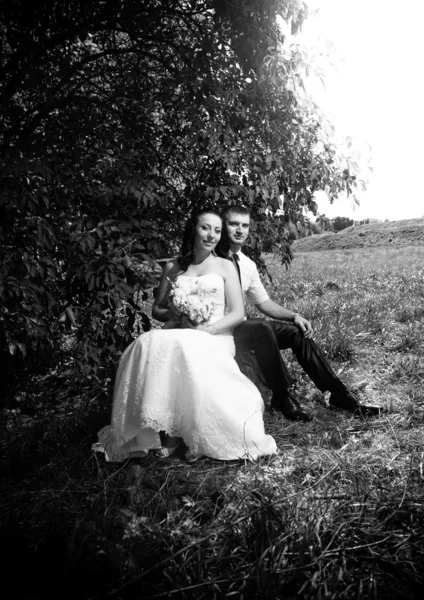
(258, 335)
(308, 355)
(315, 365)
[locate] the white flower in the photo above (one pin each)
(192, 301)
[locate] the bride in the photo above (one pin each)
(182, 380)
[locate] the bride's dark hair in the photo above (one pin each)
(187, 248)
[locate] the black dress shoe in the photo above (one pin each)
(297, 414)
(347, 401)
(368, 410)
(287, 407)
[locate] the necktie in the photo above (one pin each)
(236, 259)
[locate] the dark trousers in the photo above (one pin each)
(267, 338)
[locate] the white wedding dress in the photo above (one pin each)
(186, 382)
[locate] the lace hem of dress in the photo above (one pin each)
(107, 445)
(115, 451)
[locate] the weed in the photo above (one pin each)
(338, 346)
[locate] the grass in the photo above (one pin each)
(338, 514)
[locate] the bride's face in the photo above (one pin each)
(208, 232)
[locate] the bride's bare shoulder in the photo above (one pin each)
(225, 265)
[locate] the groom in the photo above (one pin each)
(286, 330)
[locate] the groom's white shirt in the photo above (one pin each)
(250, 281)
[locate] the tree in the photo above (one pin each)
(340, 223)
(118, 118)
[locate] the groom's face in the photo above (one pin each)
(237, 228)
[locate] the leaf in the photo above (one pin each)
(70, 314)
(23, 349)
(91, 280)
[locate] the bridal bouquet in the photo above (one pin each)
(192, 302)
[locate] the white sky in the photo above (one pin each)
(375, 96)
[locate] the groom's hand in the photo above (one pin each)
(187, 323)
(304, 325)
(173, 314)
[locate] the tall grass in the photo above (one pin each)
(339, 513)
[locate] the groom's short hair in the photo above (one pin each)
(237, 209)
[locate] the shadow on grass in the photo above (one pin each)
(329, 517)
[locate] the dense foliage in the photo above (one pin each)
(117, 119)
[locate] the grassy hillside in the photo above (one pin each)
(408, 232)
(338, 514)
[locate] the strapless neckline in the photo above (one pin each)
(199, 276)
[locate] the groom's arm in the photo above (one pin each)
(256, 294)
(259, 297)
(162, 309)
(275, 311)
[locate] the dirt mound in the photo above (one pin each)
(409, 232)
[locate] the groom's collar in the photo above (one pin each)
(231, 253)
